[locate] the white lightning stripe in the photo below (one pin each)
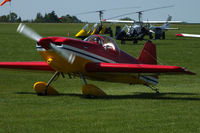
(82, 53)
(88, 55)
(149, 79)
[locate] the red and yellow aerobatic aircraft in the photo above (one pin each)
(97, 57)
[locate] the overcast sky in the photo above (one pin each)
(184, 10)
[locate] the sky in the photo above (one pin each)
(183, 10)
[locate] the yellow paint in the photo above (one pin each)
(60, 64)
(103, 30)
(82, 33)
(92, 90)
(40, 87)
(93, 32)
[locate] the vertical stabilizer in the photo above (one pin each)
(166, 25)
(148, 54)
(169, 18)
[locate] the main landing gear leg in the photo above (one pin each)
(50, 81)
(43, 88)
(83, 78)
(90, 90)
(153, 88)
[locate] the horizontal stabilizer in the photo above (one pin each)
(171, 28)
(136, 68)
(42, 66)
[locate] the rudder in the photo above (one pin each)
(148, 54)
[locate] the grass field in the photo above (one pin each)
(127, 109)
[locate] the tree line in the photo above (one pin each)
(47, 18)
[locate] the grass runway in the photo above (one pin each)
(128, 108)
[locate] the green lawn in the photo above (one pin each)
(127, 108)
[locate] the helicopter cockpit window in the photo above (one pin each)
(106, 41)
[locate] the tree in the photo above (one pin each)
(12, 17)
(70, 19)
(126, 18)
(4, 18)
(39, 18)
(47, 18)
(51, 18)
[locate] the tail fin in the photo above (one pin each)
(148, 54)
(169, 18)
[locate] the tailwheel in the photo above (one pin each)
(92, 91)
(41, 87)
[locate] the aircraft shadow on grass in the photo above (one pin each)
(136, 95)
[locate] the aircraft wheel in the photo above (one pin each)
(123, 42)
(157, 36)
(92, 91)
(150, 36)
(40, 87)
(135, 41)
(163, 35)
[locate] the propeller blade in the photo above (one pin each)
(23, 29)
(69, 56)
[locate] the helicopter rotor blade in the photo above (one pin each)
(141, 11)
(156, 8)
(103, 10)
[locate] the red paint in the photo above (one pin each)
(179, 35)
(43, 66)
(146, 62)
(134, 68)
(148, 54)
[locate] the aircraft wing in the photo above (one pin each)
(187, 35)
(135, 68)
(42, 66)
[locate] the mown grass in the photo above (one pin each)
(126, 109)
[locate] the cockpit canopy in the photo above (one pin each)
(105, 41)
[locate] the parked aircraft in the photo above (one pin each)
(97, 57)
(96, 29)
(139, 29)
(160, 30)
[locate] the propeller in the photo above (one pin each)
(23, 29)
(69, 56)
(28, 32)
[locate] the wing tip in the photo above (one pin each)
(180, 35)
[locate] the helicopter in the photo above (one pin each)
(97, 28)
(138, 30)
